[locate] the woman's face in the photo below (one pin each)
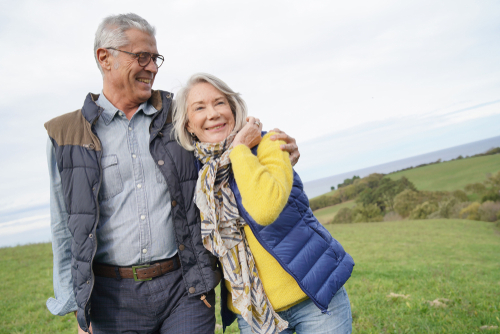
(209, 115)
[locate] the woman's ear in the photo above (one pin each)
(188, 128)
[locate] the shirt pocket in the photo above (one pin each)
(112, 183)
(159, 176)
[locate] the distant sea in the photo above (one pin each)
(321, 186)
(33, 224)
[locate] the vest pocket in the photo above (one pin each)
(112, 183)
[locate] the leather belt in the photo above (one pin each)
(138, 273)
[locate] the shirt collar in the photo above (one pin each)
(110, 110)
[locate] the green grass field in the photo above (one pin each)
(451, 175)
(326, 215)
(457, 260)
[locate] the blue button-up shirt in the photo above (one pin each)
(135, 225)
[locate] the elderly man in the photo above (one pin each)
(128, 255)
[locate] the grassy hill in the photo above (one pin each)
(445, 176)
(451, 175)
(326, 215)
(455, 260)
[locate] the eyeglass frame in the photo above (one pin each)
(138, 55)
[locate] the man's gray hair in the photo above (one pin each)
(180, 114)
(111, 32)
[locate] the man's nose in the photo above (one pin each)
(151, 67)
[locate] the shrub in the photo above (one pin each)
(491, 196)
(324, 201)
(492, 151)
(475, 188)
(493, 180)
(446, 207)
(392, 216)
(471, 212)
(405, 202)
(422, 211)
(343, 216)
(455, 212)
(489, 211)
(460, 195)
(367, 214)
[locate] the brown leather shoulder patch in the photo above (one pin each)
(72, 129)
(155, 99)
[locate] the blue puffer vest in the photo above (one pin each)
(78, 152)
(303, 247)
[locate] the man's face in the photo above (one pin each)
(128, 80)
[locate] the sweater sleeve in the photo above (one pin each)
(265, 181)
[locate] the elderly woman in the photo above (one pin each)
(283, 270)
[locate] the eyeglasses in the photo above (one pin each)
(143, 58)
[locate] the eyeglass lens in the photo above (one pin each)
(145, 58)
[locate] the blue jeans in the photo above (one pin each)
(306, 317)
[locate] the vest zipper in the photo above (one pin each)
(92, 147)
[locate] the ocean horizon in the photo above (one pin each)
(321, 186)
(32, 225)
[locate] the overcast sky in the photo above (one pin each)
(358, 83)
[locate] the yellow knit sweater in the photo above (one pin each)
(265, 182)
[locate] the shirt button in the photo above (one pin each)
(130, 128)
(144, 250)
(192, 290)
(91, 235)
(143, 217)
(134, 156)
(161, 162)
(139, 186)
(174, 203)
(181, 247)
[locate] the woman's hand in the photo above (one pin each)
(290, 146)
(250, 134)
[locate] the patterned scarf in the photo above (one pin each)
(223, 235)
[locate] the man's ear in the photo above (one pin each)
(103, 57)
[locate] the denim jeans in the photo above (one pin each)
(306, 317)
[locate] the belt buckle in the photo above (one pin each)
(134, 268)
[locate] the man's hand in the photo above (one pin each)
(250, 134)
(290, 146)
(81, 331)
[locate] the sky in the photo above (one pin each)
(357, 83)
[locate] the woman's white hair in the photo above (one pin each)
(180, 114)
(111, 32)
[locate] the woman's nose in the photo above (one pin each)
(212, 113)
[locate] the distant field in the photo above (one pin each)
(451, 175)
(326, 215)
(457, 260)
